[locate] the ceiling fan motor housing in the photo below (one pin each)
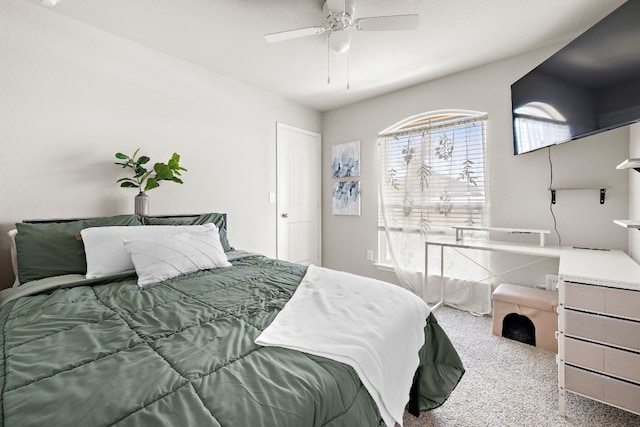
(340, 18)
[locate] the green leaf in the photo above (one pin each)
(174, 161)
(122, 156)
(128, 184)
(143, 159)
(151, 184)
(162, 171)
(140, 171)
(176, 179)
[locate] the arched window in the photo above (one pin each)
(432, 171)
(432, 177)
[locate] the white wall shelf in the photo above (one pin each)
(602, 189)
(628, 223)
(630, 164)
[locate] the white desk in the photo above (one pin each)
(531, 249)
(598, 317)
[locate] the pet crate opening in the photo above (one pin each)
(519, 328)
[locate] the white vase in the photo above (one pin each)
(142, 204)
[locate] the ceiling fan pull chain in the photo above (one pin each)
(328, 62)
(348, 68)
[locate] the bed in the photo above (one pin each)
(85, 345)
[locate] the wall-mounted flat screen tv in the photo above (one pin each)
(589, 86)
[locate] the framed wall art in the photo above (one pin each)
(345, 199)
(345, 160)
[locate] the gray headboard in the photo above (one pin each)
(180, 216)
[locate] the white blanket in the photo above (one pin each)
(375, 327)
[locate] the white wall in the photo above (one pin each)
(71, 96)
(634, 192)
(518, 185)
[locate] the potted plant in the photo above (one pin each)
(144, 179)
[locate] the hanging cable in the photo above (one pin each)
(555, 222)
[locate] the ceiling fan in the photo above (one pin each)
(339, 16)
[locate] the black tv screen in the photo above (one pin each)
(589, 86)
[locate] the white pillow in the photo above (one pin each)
(14, 255)
(105, 250)
(163, 258)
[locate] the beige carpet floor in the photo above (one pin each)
(508, 383)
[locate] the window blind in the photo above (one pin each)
(433, 173)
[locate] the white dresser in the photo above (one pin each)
(599, 328)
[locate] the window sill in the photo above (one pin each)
(384, 267)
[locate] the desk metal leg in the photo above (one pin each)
(426, 267)
(426, 275)
(441, 275)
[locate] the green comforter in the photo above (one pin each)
(182, 353)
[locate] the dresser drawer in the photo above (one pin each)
(600, 387)
(617, 302)
(623, 303)
(620, 363)
(622, 333)
(584, 297)
(584, 353)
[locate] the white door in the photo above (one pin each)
(298, 183)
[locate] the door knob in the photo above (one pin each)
(285, 215)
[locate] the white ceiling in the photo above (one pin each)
(226, 36)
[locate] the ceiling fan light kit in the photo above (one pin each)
(339, 41)
(339, 21)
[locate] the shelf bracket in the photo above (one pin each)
(603, 193)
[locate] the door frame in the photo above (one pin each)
(288, 128)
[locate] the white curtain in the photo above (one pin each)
(431, 177)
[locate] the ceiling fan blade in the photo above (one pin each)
(387, 23)
(294, 34)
